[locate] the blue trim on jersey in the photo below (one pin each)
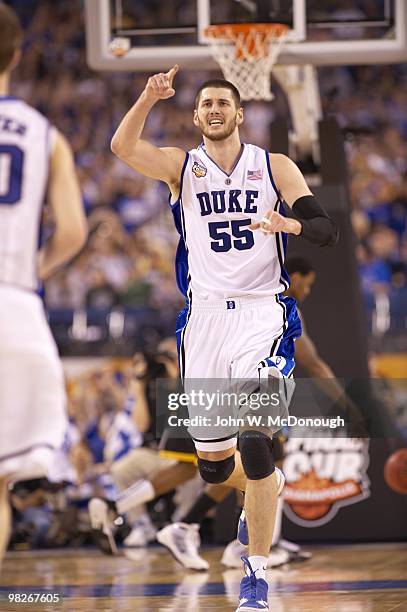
(239, 157)
(178, 200)
(286, 346)
(294, 327)
(281, 248)
(180, 325)
(181, 257)
(182, 320)
(181, 270)
(284, 239)
(271, 175)
(187, 281)
(181, 267)
(6, 98)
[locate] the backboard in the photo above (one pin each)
(322, 32)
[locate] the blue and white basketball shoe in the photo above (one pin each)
(242, 531)
(253, 591)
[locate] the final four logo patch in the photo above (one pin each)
(199, 170)
(323, 475)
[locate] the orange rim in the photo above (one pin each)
(230, 31)
(252, 39)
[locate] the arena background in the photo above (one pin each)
(119, 295)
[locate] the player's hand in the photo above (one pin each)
(273, 222)
(160, 86)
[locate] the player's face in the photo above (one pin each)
(217, 116)
(301, 285)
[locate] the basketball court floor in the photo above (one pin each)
(353, 578)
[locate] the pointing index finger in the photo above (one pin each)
(171, 73)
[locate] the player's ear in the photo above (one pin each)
(195, 119)
(15, 60)
(239, 116)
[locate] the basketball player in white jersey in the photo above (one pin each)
(236, 324)
(34, 158)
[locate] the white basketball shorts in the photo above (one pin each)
(32, 391)
(236, 339)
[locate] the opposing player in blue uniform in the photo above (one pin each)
(226, 198)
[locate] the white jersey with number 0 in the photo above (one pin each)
(24, 164)
(32, 393)
(219, 256)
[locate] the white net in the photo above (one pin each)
(247, 58)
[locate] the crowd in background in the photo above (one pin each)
(129, 255)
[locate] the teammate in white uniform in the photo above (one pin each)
(236, 324)
(33, 157)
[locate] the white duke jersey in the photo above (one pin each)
(218, 256)
(24, 165)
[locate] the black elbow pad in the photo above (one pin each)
(317, 225)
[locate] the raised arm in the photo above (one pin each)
(312, 221)
(165, 163)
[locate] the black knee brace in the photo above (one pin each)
(256, 451)
(216, 472)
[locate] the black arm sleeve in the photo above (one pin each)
(317, 225)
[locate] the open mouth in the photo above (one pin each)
(214, 122)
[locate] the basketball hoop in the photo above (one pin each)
(246, 53)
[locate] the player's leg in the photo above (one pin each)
(221, 466)
(260, 506)
(215, 468)
(262, 331)
(262, 492)
(256, 449)
(32, 396)
(243, 533)
(5, 517)
(182, 539)
(282, 552)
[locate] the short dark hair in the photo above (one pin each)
(11, 35)
(219, 83)
(296, 263)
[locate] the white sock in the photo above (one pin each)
(259, 565)
(139, 493)
(279, 520)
